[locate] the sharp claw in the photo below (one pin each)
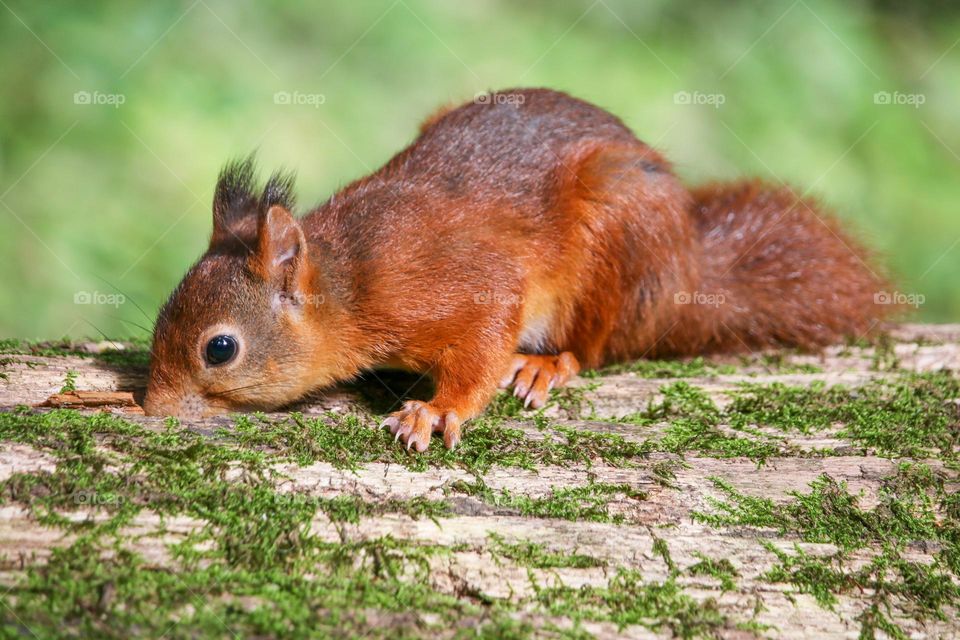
(451, 441)
(416, 443)
(415, 424)
(532, 370)
(451, 430)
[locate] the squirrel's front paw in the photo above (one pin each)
(417, 421)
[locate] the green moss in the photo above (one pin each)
(694, 425)
(253, 564)
(350, 441)
(722, 570)
(884, 354)
(664, 472)
(537, 556)
(779, 362)
(692, 368)
(661, 549)
(701, 367)
(251, 543)
(738, 509)
(586, 447)
(134, 354)
(352, 508)
(817, 576)
(5, 362)
(69, 382)
(91, 591)
(693, 436)
(273, 575)
(629, 600)
(912, 415)
(901, 417)
(505, 405)
(915, 510)
(901, 588)
(829, 513)
(589, 502)
(574, 401)
(908, 416)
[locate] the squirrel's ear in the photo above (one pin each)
(281, 254)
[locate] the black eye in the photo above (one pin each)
(221, 349)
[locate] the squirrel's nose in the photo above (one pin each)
(154, 405)
(162, 403)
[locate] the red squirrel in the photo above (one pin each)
(517, 239)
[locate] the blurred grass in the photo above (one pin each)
(97, 194)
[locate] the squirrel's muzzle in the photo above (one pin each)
(187, 406)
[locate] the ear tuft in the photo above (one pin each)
(236, 203)
(234, 193)
(279, 191)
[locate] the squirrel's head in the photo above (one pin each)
(249, 327)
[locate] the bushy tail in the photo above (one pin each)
(778, 270)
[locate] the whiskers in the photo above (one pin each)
(145, 329)
(126, 296)
(228, 394)
(130, 322)
(115, 344)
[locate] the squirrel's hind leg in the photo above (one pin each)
(533, 376)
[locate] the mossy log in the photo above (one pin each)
(771, 495)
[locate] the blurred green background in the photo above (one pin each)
(116, 117)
